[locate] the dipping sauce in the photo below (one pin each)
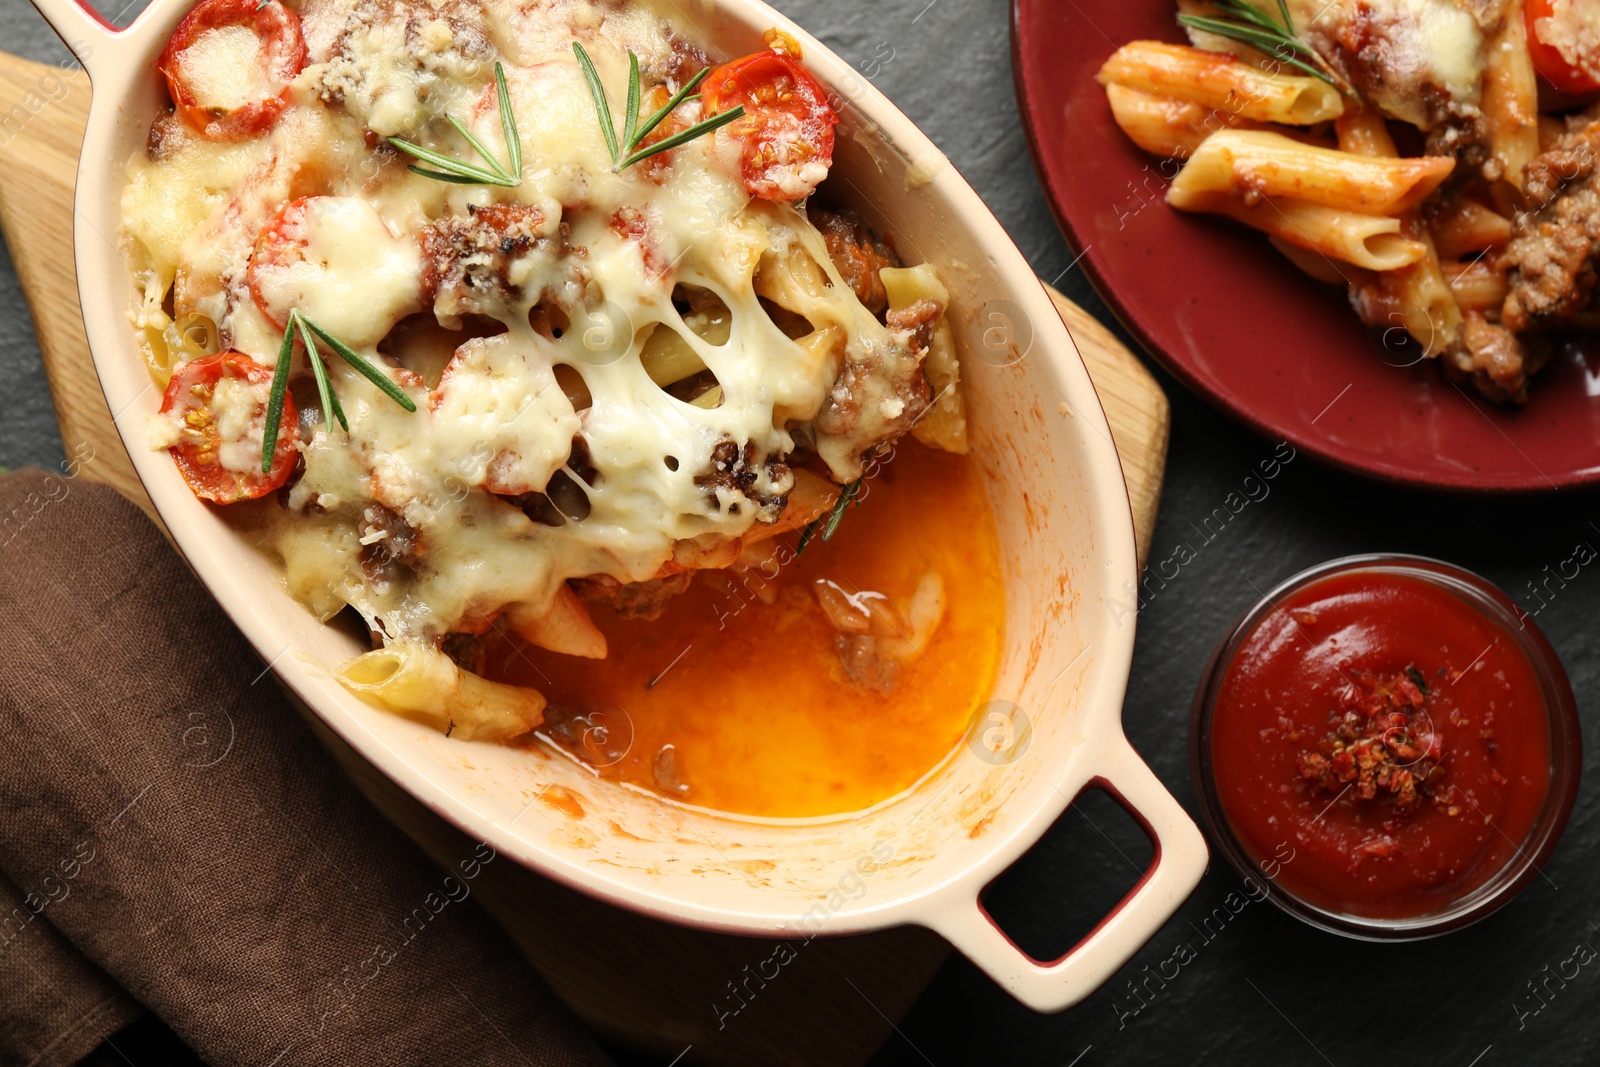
(1380, 745)
(739, 696)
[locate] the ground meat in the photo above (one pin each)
(764, 482)
(880, 393)
(1551, 257)
(1494, 360)
(464, 650)
(633, 600)
(857, 253)
(863, 662)
(390, 546)
(468, 261)
(394, 61)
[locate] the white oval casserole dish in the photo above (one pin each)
(925, 857)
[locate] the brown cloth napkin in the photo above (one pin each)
(172, 836)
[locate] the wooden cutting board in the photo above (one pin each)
(640, 983)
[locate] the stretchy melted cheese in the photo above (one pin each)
(561, 290)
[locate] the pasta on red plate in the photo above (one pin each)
(1435, 157)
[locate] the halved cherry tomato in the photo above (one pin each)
(220, 439)
(787, 128)
(1564, 43)
(280, 248)
(336, 261)
(229, 63)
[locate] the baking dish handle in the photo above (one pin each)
(1179, 862)
(83, 29)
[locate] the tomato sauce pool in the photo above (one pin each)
(736, 698)
(1380, 744)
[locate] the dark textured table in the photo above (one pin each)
(1257, 986)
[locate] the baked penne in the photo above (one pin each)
(1364, 133)
(1477, 286)
(1257, 162)
(1370, 241)
(944, 424)
(1466, 226)
(1220, 81)
(421, 682)
(1417, 296)
(1511, 97)
(1164, 125)
(564, 626)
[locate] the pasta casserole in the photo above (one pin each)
(502, 311)
(1434, 157)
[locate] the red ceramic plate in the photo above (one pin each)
(1237, 323)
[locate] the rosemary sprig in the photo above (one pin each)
(463, 173)
(310, 333)
(626, 152)
(280, 386)
(1238, 21)
(828, 524)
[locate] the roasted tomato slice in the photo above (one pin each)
(229, 63)
(787, 128)
(1564, 43)
(215, 416)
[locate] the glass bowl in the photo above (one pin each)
(1565, 753)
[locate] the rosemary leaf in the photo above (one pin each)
(828, 525)
(846, 498)
(697, 130)
(668, 108)
(608, 129)
(477, 174)
(508, 121)
(330, 403)
(631, 123)
(1277, 47)
(362, 365)
(280, 386)
(1241, 21)
(462, 172)
(478, 147)
(440, 176)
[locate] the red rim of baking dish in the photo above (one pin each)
(1566, 751)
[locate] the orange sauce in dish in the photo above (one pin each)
(736, 698)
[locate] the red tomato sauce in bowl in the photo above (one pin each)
(1388, 742)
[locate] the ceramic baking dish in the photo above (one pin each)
(925, 857)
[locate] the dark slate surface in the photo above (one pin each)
(1260, 989)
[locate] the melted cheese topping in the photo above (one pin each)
(225, 69)
(1429, 52)
(411, 517)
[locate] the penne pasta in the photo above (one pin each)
(420, 681)
(944, 424)
(1428, 307)
(1221, 81)
(1164, 125)
(564, 627)
(1256, 162)
(1466, 226)
(1364, 133)
(668, 358)
(1476, 285)
(1371, 241)
(1511, 97)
